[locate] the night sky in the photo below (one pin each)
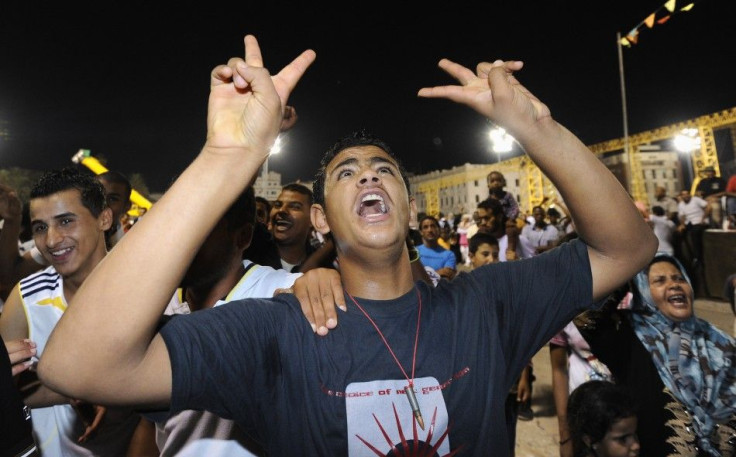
(131, 82)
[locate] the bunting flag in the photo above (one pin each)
(658, 17)
(649, 21)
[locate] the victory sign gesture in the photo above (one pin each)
(494, 92)
(246, 103)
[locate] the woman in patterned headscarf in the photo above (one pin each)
(679, 369)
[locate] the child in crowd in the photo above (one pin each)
(602, 420)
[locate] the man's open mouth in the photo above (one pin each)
(371, 205)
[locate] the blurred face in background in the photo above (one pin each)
(487, 221)
(429, 229)
(670, 291)
(262, 212)
(496, 182)
(117, 197)
(485, 254)
(290, 222)
(620, 440)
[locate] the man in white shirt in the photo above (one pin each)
(664, 229)
(692, 211)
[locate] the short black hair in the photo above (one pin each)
(90, 189)
(116, 177)
(242, 211)
(265, 201)
(492, 205)
(300, 188)
(357, 138)
(593, 407)
(425, 217)
(553, 212)
(479, 238)
(657, 210)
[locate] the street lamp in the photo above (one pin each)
(501, 141)
(687, 141)
(275, 149)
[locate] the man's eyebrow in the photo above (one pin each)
(381, 159)
(58, 216)
(373, 160)
(348, 161)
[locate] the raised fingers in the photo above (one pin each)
(289, 76)
(463, 74)
(253, 56)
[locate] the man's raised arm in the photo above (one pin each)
(108, 335)
(619, 241)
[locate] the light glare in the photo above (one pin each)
(502, 141)
(276, 148)
(687, 140)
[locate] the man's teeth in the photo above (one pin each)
(60, 252)
(375, 198)
(367, 197)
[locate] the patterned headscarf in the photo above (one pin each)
(694, 359)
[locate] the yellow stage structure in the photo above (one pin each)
(84, 157)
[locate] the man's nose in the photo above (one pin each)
(53, 236)
(369, 176)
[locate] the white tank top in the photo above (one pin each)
(56, 428)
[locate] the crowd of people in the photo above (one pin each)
(230, 344)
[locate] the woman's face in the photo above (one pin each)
(670, 291)
(620, 440)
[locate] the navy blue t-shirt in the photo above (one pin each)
(259, 363)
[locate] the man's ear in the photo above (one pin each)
(245, 236)
(413, 213)
(319, 219)
(104, 220)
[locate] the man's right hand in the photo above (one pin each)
(246, 104)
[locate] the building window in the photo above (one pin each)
(476, 198)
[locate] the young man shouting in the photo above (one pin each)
(409, 366)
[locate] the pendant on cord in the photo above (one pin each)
(414, 404)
